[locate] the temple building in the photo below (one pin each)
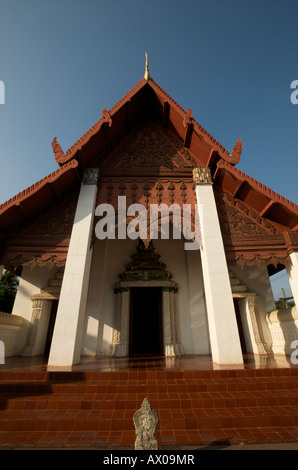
(81, 294)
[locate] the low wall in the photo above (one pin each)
(10, 326)
(283, 326)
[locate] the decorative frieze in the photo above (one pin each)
(202, 175)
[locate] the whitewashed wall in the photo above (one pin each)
(109, 260)
(257, 280)
(31, 282)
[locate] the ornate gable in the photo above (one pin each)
(248, 238)
(43, 240)
(238, 220)
(149, 146)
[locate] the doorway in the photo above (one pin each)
(240, 326)
(146, 329)
(51, 325)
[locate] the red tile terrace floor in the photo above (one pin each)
(92, 404)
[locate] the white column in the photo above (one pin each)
(292, 271)
(223, 330)
(69, 325)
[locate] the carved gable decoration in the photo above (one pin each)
(145, 265)
(150, 146)
(237, 220)
(45, 241)
(56, 223)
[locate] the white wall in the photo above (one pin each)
(32, 280)
(257, 280)
(109, 260)
(185, 267)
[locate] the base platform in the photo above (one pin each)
(198, 403)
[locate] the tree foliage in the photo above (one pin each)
(280, 304)
(8, 288)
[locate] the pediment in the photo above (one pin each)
(149, 147)
(237, 220)
(43, 240)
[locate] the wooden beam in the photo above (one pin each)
(106, 134)
(128, 115)
(166, 114)
(188, 125)
(52, 191)
(22, 210)
(188, 134)
(266, 209)
(218, 175)
(237, 191)
(212, 158)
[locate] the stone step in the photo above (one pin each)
(55, 283)
(239, 288)
(134, 386)
(235, 281)
(194, 407)
(177, 419)
(124, 401)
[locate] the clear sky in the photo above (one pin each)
(231, 61)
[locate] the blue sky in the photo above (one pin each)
(231, 62)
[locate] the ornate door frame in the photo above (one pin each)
(120, 338)
(145, 270)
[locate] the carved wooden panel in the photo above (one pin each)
(150, 146)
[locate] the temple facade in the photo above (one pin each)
(89, 287)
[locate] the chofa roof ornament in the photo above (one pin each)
(57, 149)
(236, 153)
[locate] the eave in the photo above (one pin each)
(33, 200)
(266, 202)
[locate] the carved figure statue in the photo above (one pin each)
(145, 421)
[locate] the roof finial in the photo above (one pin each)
(146, 76)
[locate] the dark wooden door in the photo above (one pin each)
(146, 332)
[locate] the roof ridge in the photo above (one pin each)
(200, 127)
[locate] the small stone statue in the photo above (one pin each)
(145, 421)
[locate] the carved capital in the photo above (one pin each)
(90, 176)
(202, 175)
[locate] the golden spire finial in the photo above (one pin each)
(146, 76)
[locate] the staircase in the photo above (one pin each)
(95, 409)
(237, 286)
